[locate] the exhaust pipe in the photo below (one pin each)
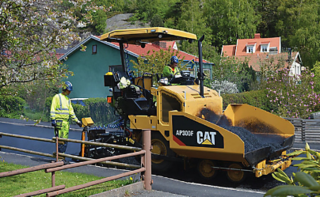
(200, 74)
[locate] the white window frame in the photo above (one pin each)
(273, 52)
(262, 46)
(253, 48)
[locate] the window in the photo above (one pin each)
(264, 48)
(250, 49)
(298, 69)
(273, 50)
(169, 103)
(94, 49)
(115, 68)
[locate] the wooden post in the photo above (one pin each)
(147, 159)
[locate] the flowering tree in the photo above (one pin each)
(31, 30)
(225, 87)
(293, 96)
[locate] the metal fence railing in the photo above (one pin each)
(144, 168)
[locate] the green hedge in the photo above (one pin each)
(96, 108)
(257, 98)
(11, 105)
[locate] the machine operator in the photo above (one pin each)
(171, 69)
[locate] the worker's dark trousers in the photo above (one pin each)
(62, 147)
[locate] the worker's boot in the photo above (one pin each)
(60, 158)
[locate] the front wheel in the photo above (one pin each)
(236, 176)
(206, 170)
(160, 147)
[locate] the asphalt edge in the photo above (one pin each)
(122, 191)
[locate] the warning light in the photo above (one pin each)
(109, 99)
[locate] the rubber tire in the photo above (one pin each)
(236, 176)
(158, 142)
(204, 170)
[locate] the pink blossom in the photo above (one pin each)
(311, 82)
(312, 74)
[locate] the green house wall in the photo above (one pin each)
(89, 69)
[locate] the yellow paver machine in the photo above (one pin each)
(188, 122)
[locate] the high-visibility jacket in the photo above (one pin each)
(167, 71)
(61, 108)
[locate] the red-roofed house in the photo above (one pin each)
(100, 57)
(263, 51)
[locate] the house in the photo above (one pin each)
(101, 57)
(261, 52)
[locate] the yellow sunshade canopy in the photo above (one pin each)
(145, 35)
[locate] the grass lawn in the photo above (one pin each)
(33, 181)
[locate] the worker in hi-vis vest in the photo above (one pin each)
(171, 69)
(61, 110)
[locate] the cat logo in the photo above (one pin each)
(206, 138)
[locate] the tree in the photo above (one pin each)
(298, 26)
(230, 20)
(156, 21)
(269, 17)
(192, 19)
(235, 71)
(31, 30)
(294, 96)
(155, 62)
(316, 71)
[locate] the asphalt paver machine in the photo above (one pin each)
(188, 122)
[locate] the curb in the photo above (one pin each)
(127, 190)
(36, 125)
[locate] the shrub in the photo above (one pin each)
(96, 108)
(35, 94)
(304, 182)
(294, 95)
(225, 87)
(10, 104)
(99, 110)
(255, 98)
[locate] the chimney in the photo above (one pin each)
(257, 36)
(163, 44)
(157, 43)
(289, 54)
